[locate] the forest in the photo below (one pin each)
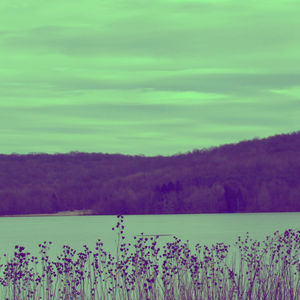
(259, 175)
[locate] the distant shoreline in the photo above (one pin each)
(90, 212)
(85, 212)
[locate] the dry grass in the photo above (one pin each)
(268, 270)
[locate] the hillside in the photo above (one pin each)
(260, 175)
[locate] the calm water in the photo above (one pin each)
(79, 230)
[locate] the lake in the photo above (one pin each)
(76, 231)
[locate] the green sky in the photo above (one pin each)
(146, 77)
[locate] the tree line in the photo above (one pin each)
(259, 175)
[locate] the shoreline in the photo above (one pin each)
(86, 212)
(90, 212)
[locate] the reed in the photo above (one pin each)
(143, 270)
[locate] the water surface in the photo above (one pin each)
(76, 231)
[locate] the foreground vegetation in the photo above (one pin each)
(148, 270)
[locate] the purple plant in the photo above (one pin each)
(143, 270)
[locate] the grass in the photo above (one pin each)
(143, 270)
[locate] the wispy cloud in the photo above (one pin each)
(153, 77)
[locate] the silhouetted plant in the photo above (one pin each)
(145, 270)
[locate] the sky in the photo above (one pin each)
(156, 77)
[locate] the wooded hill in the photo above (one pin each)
(260, 175)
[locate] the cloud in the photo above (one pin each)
(200, 30)
(163, 75)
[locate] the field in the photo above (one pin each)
(148, 270)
